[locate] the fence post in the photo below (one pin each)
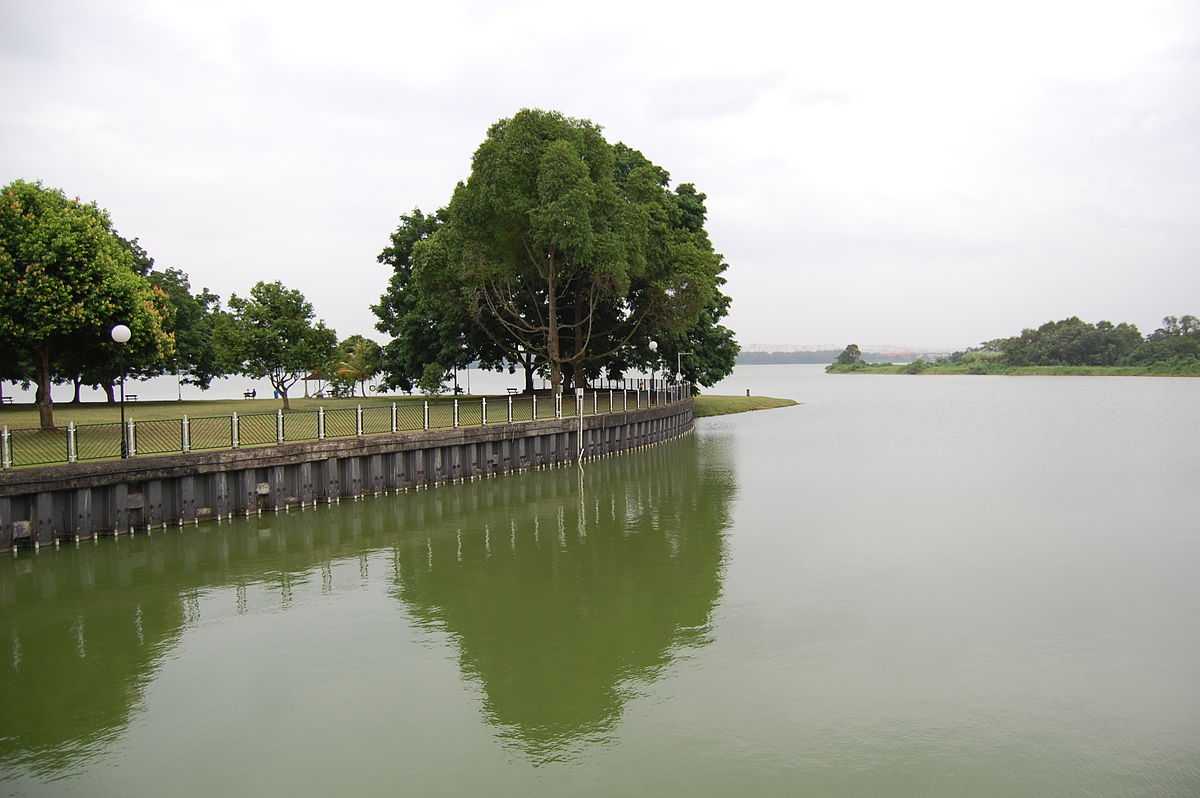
(594, 411)
(535, 407)
(456, 411)
(394, 427)
(358, 428)
(483, 411)
(510, 408)
(233, 431)
(132, 438)
(5, 449)
(279, 425)
(71, 442)
(321, 423)
(185, 434)
(558, 405)
(610, 398)
(426, 414)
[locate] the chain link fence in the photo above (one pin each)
(32, 447)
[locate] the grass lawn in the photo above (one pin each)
(158, 428)
(26, 415)
(707, 405)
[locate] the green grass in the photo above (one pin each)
(1014, 371)
(708, 405)
(158, 427)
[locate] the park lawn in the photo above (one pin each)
(709, 405)
(26, 415)
(159, 431)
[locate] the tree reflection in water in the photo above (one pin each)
(563, 592)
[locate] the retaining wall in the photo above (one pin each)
(39, 506)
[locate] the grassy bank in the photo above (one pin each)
(707, 405)
(26, 415)
(1014, 371)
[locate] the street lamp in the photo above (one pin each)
(679, 363)
(653, 365)
(468, 368)
(121, 334)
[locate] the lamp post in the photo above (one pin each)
(468, 368)
(121, 334)
(653, 366)
(679, 363)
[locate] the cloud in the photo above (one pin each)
(932, 172)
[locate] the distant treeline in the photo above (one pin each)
(821, 356)
(1068, 346)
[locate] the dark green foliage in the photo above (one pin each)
(1073, 342)
(850, 355)
(272, 334)
(198, 358)
(561, 253)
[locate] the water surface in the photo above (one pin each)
(904, 586)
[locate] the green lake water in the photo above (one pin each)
(917, 586)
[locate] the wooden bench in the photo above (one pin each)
(513, 391)
(6, 400)
(131, 397)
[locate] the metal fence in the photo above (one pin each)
(31, 447)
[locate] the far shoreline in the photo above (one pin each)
(1006, 371)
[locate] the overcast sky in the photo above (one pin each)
(932, 174)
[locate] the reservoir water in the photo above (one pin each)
(905, 586)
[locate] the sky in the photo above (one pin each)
(930, 174)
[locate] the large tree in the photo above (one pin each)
(272, 333)
(570, 251)
(65, 279)
(424, 311)
(198, 359)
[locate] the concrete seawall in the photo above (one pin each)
(39, 506)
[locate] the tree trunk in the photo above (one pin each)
(78, 384)
(527, 364)
(283, 394)
(109, 392)
(552, 351)
(45, 402)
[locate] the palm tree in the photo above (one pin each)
(359, 361)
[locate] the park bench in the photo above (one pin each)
(250, 394)
(5, 400)
(513, 391)
(131, 397)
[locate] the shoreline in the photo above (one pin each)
(1011, 371)
(707, 405)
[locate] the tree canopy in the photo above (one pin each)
(273, 334)
(66, 279)
(356, 361)
(850, 355)
(561, 252)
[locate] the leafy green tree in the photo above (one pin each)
(272, 334)
(425, 312)
(433, 376)
(850, 355)
(65, 279)
(1071, 342)
(197, 359)
(568, 251)
(358, 359)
